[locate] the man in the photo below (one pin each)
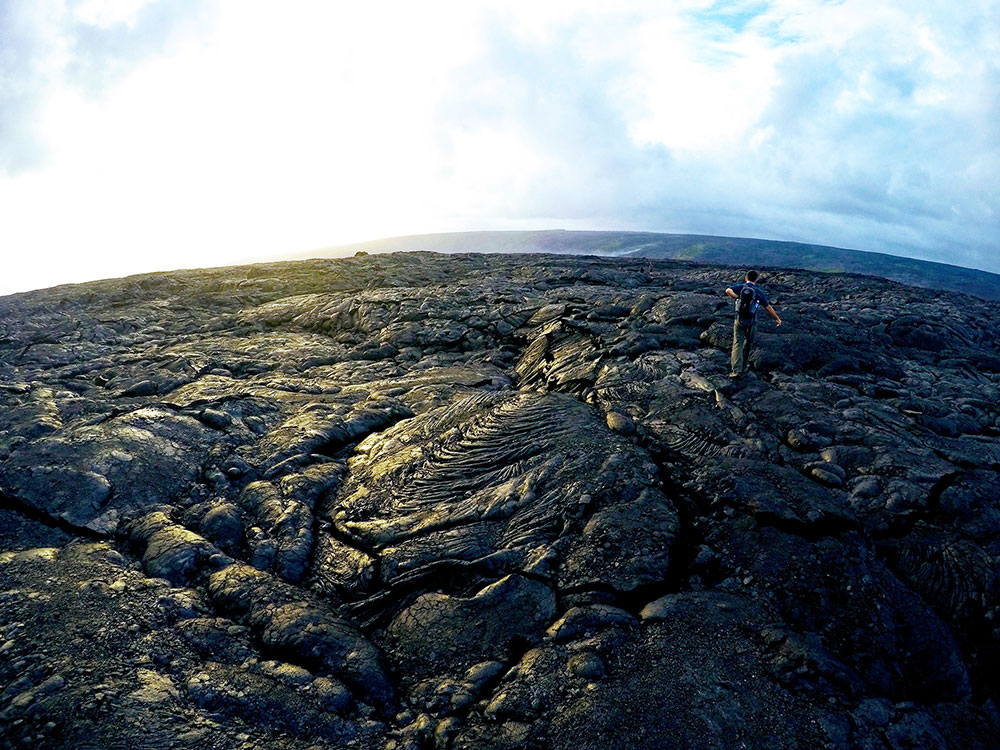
(749, 298)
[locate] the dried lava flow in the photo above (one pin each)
(478, 501)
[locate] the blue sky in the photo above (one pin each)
(140, 135)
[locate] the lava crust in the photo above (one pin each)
(482, 501)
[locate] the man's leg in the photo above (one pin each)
(735, 356)
(748, 342)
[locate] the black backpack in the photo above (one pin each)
(747, 304)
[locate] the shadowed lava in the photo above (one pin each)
(420, 501)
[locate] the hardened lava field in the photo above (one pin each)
(487, 501)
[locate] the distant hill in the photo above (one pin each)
(735, 251)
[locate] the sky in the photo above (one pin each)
(143, 135)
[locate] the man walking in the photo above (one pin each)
(749, 298)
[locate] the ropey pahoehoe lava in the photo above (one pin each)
(488, 501)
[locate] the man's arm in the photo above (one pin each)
(772, 313)
(731, 293)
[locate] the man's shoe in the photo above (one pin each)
(734, 374)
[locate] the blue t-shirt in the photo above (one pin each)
(758, 293)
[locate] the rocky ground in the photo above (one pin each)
(423, 501)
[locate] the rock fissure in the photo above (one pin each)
(12, 503)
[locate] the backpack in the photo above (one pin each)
(747, 304)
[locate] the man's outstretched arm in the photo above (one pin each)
(731, 293)
(772, 313)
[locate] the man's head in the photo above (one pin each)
(751, 276)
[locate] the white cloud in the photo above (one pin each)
(108, 13)
(257, 131)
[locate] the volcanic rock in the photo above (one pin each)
(470, 501)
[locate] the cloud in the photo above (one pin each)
(844, 124)
(25, 60)
(139, 135)
(88, 45)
